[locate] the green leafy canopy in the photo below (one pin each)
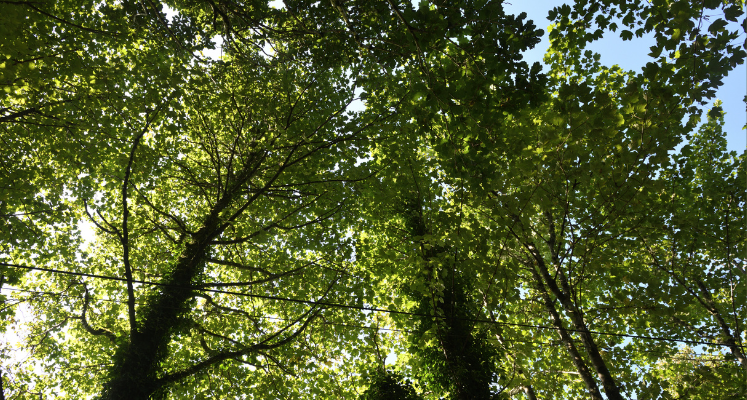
(368, 199)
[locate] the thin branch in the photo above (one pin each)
(238, 265)
(124, 239)
(276, 362)
(249, 283)
(409, 30)
(591, 384)
(165, 25)
(218, 358)
(223, 308)
(213, 334)
(87, 326)
(111, 232)
(725, 329)
(276, 224)
(310, 315)
(158, 210)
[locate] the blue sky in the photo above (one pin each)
(632, 55)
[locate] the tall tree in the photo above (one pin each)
(354, 180)
(693, 252)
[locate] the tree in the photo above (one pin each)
(695, 256)
(255, 235)
(388, 385)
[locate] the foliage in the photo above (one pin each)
(367, 200)
(388, 385)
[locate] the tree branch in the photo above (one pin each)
(31, 6)
(725, 330)
(96, 332)
(124, 239)
(583, 370)
(608, 382)
(218, 358)
(111, 232)
(249, 283)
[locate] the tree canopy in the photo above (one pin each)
(368, 199)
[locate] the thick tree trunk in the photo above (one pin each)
(134, 375)
(462, 353)
(136, 365)
(530, 392)
(463, 356)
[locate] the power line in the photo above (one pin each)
(533, 343)
(203, 288)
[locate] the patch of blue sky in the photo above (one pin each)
(633, 55)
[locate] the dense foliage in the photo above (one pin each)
(368, 199)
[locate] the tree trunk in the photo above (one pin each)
(134, 375)
(583, 370)
(135, 371)
(608, 382)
